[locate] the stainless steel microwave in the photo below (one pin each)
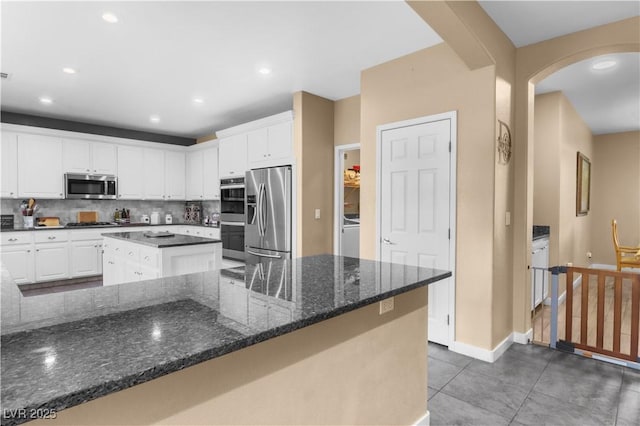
(98, 187)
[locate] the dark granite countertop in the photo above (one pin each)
(541, 231)
(62, 349)
(122, 225)
(175, 240)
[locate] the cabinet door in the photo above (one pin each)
(195, 175)
(19, 261)
(52, 261)
(257, 149)
(84, 259)
(211, 180)
(76, 156)
(40, 166)
(130, 173)
(233, 156)
(104, 158)
(174, 177)
(280, 142)
(9, 164)
(153, 174)
(109, 270)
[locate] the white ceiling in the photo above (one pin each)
(160, 55)
(609, 100)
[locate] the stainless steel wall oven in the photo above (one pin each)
(232, 205)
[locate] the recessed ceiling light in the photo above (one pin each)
(604, 64)
(110, 17)
(68, 70)
(264, 70)
(198, 100)
(45, 100)
(154, 119)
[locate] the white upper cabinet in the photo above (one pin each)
(174, 175)
(82, 156)
(233, 156)
(211, 180)
(203, 182)
(153, 169)
(195, 175)
(271, 146)
(104, 158)
(130, 173)
(40, 172)
(9, 165)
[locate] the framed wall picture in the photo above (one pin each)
(583, 185)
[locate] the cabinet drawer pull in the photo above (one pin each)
(13, 239)
(28, 251)
(37, 249)
(51, 238)
(117, 248)
(96, 246)
(110, 263)
(130, 253)
(146, 258)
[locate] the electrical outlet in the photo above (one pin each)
(386, 305)
(317, 214)
(507, 218)
(589, 255)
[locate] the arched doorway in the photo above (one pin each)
(534, 63)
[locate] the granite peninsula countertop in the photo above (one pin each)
(159, 241)
(62, 349)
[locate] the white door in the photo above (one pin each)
(84, 261)
(195, 177)
(415, 195)
(130, 173)
(52, 261)
(104, 158)
(9, 166)
(76, 156)
(40, 167)
(210, 179)
(153, 174)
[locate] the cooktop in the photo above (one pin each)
(85, 224)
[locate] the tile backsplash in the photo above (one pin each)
(67, 210)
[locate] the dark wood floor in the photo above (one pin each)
(29, 290)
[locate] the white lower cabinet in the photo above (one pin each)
(47, 255)
(19, 261)
(130, 261)
(52, 261)
(86, 258)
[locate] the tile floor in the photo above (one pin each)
(530, 385)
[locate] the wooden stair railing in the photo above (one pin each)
(619, 278)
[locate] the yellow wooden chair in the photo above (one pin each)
(626, 257)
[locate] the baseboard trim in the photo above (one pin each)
(523, 338)
(482, 354)
(424, 420)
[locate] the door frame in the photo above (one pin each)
(338, 193)
(453, 117)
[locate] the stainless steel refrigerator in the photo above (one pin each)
(267, 231)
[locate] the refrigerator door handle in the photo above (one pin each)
(263, 210)
(258, 204)
(272, 256)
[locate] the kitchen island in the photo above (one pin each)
(282, 342)
(143, 255)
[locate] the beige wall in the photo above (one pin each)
(534, 63)
(314, 150)
(615, 193)
(479, 43)
(560, 133)
(346, 120)
(433, 81)
(357, 368)
(546, 149)
(207, 138)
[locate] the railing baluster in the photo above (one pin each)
(584, 308)
(600, 315)
(617, 313)
(635, 317)
(569, 307)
